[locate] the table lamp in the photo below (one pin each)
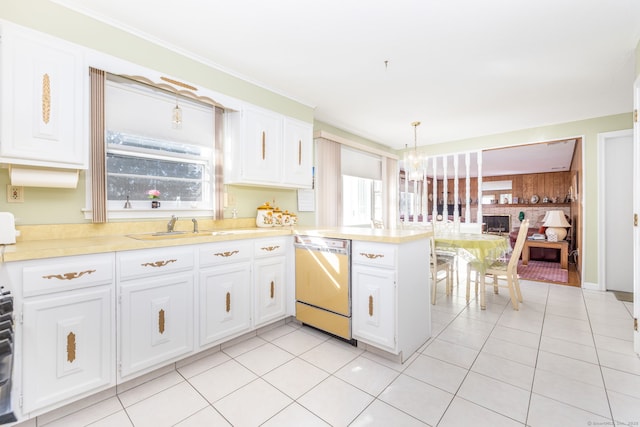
(556, 225)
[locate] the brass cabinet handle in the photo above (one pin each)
(71, 347)
(370, 305)
(226, 254)
(273, 289)
(161, 321)
(158, 263)
(264, 144)
(228, 302)
(270, 248)
(68, 276)
(372, 256)
(46, 98)
(299, 152)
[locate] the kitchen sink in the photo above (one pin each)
(162, 235)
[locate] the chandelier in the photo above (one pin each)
(414, 162)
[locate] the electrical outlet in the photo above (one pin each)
(15, 194)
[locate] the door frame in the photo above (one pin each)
(636, 212)
(602, 139)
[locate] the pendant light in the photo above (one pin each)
(176, 116)
(413, 162)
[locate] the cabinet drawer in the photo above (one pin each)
(65, 274)
(225, 252)
(271, 247)
(154, 262)
(375, 254)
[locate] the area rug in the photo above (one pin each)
(543, 271)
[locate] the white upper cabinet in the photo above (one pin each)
(268, 149)
(43, 89)
(262, 144)
(298, 152)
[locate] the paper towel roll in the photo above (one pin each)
(32, 177)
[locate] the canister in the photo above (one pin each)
(277, 217)
(264, 217)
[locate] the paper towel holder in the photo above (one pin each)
(23, 176)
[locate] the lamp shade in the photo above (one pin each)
(556, 225)
(555, 219)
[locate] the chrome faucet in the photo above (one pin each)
(195, 225)
(171, 224)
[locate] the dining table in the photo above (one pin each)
(480, 248)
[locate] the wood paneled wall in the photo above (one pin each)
(524, 186)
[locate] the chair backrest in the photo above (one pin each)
(471, 227)
(377, 224)
(432, 251)
(443, 227)
(517, 248)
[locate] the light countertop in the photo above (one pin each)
(48, 241)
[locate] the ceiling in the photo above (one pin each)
(464, 68)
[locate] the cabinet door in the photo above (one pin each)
(374, 302)
(156, 321)
(225, 303)
(262, 146)
(298, 153)
(270, 289)
(42, 101)
(67, 346)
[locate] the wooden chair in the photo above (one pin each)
(448, 255)
(437, 265)
(507, 271)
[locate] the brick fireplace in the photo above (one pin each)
(498, 224)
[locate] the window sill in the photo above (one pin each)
(161, 212)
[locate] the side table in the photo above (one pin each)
(563, 245)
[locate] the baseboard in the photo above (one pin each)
(592, 286)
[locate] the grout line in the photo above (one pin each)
(535, 367)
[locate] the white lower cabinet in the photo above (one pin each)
(86, 323)
(64, 345)
(67, 346)
(270, 279)
(390, 301)
(269, 289)
(156, 290)
(224, 302)
(373, 305)
(157, 321)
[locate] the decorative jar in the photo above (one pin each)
(264, 217)
(286, 218)
(277, 217)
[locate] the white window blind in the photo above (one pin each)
(136, 109)
(361, 164)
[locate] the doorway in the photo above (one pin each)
(615, 231)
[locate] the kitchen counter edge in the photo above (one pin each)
(51, 248)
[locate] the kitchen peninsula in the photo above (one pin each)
(120, 301)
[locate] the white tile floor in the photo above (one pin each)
(564, 359)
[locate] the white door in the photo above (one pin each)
(636, 211)
(616, 205)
